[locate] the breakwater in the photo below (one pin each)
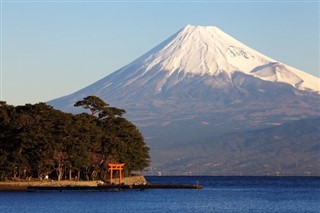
(110, 188)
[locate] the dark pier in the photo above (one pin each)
(110, 188)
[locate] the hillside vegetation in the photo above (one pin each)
(38, 141)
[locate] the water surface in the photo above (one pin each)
(220, 194)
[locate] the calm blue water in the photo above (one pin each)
(221, 194)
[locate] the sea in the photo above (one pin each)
(220, 194)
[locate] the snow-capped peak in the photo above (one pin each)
(204, 50)
(207, 50)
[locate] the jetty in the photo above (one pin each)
(111, 188)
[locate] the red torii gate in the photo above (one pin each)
(116, 167)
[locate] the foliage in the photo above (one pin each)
(38, 140)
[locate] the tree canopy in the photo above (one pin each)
(38, 140)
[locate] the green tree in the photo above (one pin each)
(85, 138)
(36, 140)
(121, 140)
(127, 145)
(6, 141)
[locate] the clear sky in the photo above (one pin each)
(53, 48)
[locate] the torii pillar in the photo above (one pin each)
(116, 167)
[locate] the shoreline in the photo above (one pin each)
(23, 185)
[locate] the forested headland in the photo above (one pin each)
(37, 140)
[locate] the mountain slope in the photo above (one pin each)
(202, 83)
(289, 149)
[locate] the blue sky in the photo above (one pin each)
(54, 48)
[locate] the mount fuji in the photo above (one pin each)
(201, 86)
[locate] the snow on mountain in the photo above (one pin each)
(206, 50)
(204, 53)
(277, 72)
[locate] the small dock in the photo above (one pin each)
(110, 188)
